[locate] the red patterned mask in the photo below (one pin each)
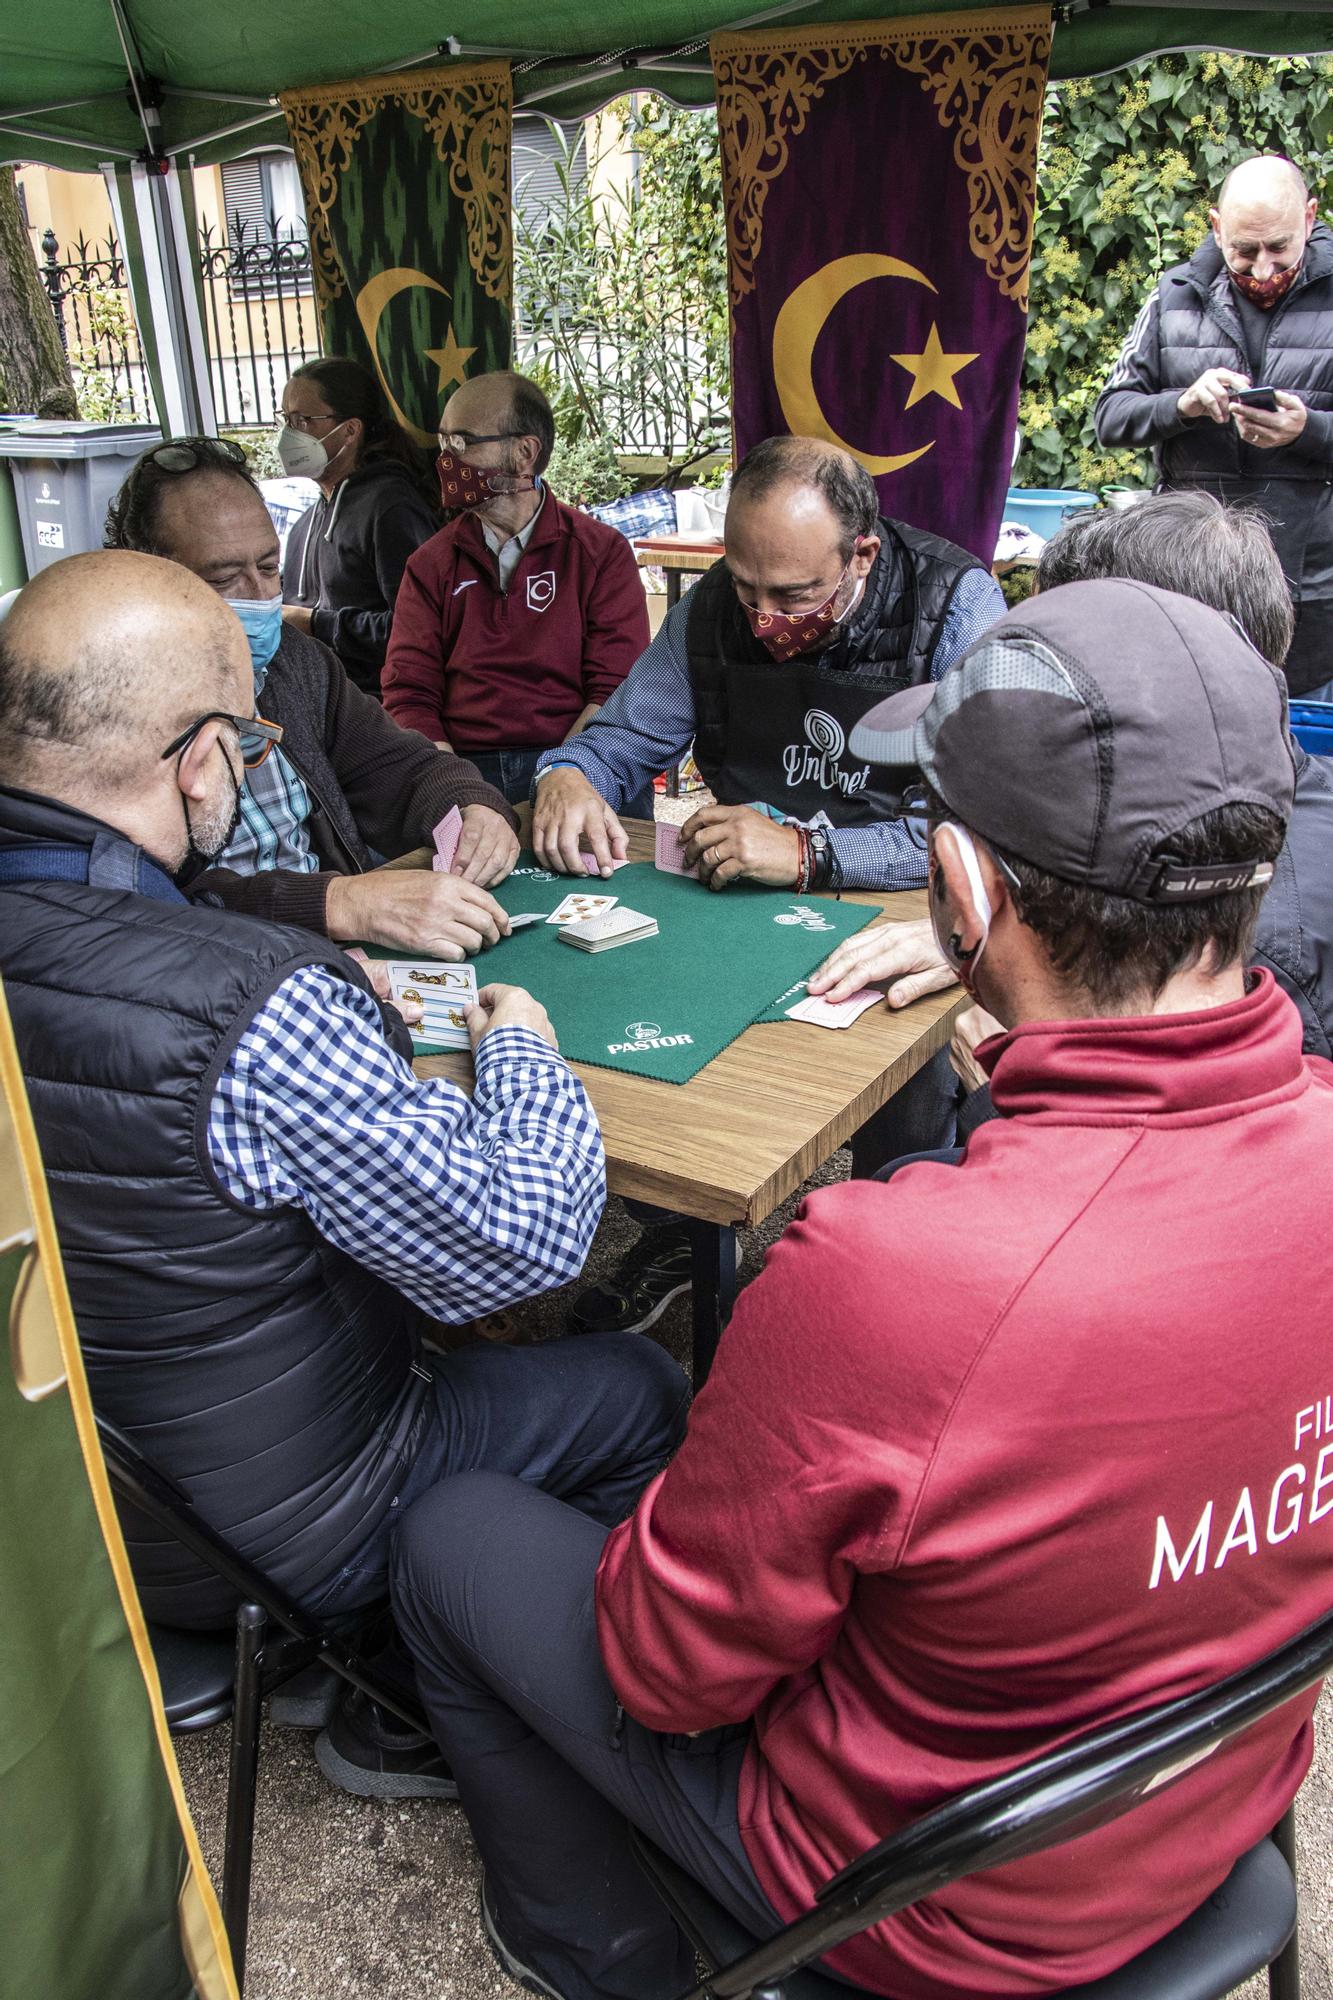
(1265, 292)
(467, 486)
(786, 633)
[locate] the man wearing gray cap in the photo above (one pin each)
(991, 1453)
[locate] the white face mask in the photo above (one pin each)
(964, 965)
(304, 456)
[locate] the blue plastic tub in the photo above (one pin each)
(1312, 726)
(1043, 508)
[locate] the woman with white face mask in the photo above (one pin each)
(345, 557)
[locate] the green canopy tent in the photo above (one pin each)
(138, 88)
(141, 87)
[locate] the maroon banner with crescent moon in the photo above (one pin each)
(880, 180)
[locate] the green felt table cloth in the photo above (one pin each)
(666, 1006)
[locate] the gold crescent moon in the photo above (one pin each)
(799, 325)
(371, 300)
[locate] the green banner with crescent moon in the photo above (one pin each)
(406, 182)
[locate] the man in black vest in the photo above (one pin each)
(261, 1209)
(1253, 308)
(819, 610)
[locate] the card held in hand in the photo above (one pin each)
(445, 993)
(668, 854)
(446, 837)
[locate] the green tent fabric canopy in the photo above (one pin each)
(207, 75)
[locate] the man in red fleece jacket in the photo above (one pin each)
(514, 623)
(991, 1453)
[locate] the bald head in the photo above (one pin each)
(1263, 217)
(807, 477)
(508, 407)
(103, 660)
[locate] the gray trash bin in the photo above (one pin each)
(65, 476)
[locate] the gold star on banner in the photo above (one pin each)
(933, 370)
(451, 359)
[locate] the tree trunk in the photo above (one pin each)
(34, 374)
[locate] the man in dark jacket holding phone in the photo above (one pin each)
(1251, 310)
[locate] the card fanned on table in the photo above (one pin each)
(612, 927)
(446, 837)
(835, 1013)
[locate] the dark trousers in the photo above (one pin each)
(919, 1118)
(492, 1589)
(589, 1420)
(512, 771)
(1309, 665)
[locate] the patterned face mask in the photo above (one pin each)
(466, 486)
(786, 633)
(1265, 292)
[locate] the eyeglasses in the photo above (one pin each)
(296, 422)
(464, 440)
(256, 736)
(185, 454)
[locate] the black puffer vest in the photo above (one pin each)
(259, 1368)
(1200, 328)
(892, 632)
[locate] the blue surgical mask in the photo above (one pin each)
(261, 618)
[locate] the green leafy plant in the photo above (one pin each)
(621, 293)
(1129, 166)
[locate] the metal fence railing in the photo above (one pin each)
(259, 322)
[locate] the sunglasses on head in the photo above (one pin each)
(187, 454)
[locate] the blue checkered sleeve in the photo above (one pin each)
(464, 1204)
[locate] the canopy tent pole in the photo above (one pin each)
(159, 268)
(160, 260)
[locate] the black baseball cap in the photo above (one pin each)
(1089, 726)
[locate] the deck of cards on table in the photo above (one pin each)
(445, 993)
(612, 927)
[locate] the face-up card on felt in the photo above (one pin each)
(445, 993)
(576, 906)
(668, 854)
(446, 837)
(837, 1013)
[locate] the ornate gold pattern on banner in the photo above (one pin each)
(985, 74)
(467, 109)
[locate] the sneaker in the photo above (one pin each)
(636, 1294)
(367, 1752)
(507, 1957)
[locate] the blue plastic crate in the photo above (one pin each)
(1312, 726)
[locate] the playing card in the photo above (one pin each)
(445, 993)
(446, 837)
(577, 906)
(526, 917)
(668, 852)
(593, 867)
(836, 1014)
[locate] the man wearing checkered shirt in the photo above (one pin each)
(262, 1210)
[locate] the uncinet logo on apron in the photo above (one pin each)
(816, 760)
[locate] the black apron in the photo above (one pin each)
(787, 728)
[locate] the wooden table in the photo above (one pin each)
(729, 1146)
(678, 555)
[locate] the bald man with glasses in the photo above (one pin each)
(263, 1211)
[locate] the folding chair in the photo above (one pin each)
(1249, 1923)
(208, 1676)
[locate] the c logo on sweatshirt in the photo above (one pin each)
(541, 590)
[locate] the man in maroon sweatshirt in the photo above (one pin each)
(991, 1453)
(514, 623)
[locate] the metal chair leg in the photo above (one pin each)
(251, 1626)
(1284, 1974)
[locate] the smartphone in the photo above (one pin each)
(1261, 398)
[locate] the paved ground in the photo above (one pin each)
(354, 1901)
